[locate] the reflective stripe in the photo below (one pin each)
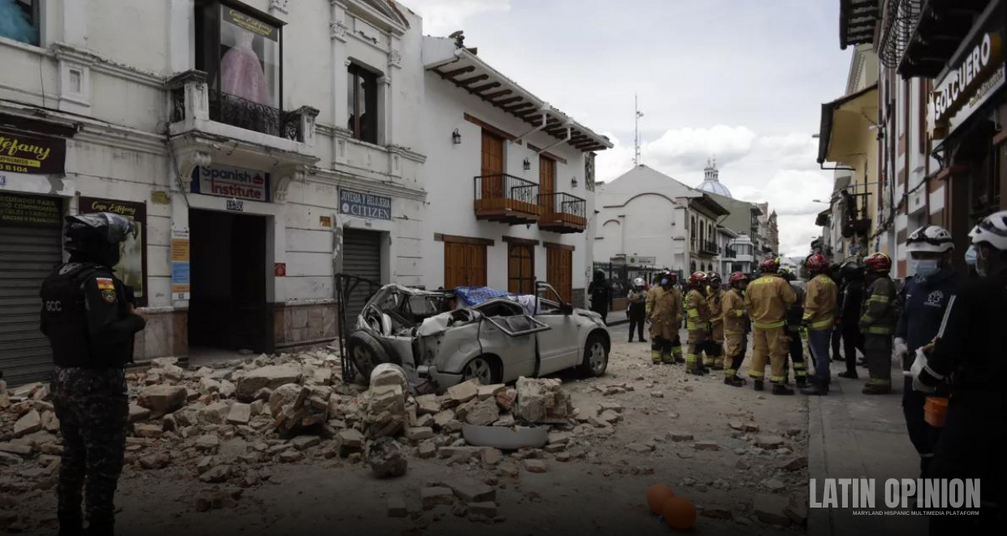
(730, 372)
(693, 312)
(882, 383)
(771, 325)
(696, 326)
(822, 324)
(756, 374)
(739, 312)
(879, 299)
(777, 379)
(947, 314)
(691, 358)
(867, 319)
(800, 373)
(875, 330)
(799, 365)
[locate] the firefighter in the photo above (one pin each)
(637, 313)
(714, 299)
(927, 296)
(663, 309)
(767, 299)
(90, 323)
(676, 344)
(698, 323)
(819, 319)
(877, 323)
(795, 333)
(849, 316)
(735, 335)
(966, 362)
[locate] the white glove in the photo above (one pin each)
(901, 350)
(918, 365)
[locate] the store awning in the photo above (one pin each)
(858, 20)
(461, 67)
(845, 123)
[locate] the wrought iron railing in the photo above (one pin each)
(898, 25)
(506, 187)
(705, 246)
(243, 113)
(730, 252)
(564, 204)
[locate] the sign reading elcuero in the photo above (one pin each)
(365, 205)
(969, 82)
(35, 156)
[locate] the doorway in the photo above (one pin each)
(227, 307)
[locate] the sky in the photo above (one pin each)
(739, 80)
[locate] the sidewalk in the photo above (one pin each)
(853, 435)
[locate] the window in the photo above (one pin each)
(521, 268)
(22, 20)
(362, 101)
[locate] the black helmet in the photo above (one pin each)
(852, 271)
(599, 275)
(96, 237)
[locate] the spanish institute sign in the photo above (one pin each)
(365, 205)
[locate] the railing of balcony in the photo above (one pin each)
(570, 207)
(730, 252)
(899, 23)
(505, 192)
(249, 115)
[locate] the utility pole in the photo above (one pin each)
(636, 158)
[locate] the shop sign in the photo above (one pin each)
(30, 210)
(235, 206)
(180, 278)
(967, 86)
(229, 181)
(249, 23)
(365, 205)
(132, 267)
(31, 155)
(642, 261)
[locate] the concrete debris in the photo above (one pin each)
(29, 423)
(772, 509)
(291, 456)
(542, 401)
(397, 507)
(706, 445)
(769, 442)
(162, 399)
(680, 436)
(349, 440)
(491, 456)
(270, 377)
(387, 374)
(506, 421)
(535, 466)
(463, 392)
(15, 448)
(639, 449)
(796, 464)
(305, 442)
(207, 442)
(138, 413)
(657, 394)
(386, 458)
(469, 489)
(506, 398)
(483, 413)
(774, 485)
(239, 413)
(486, 392)
(151, 431)
(436, 496)
(426, 450)
(751, 428)
(427, 405)
(4, 396)
(610, 406)
(486, 509)
(216, 475)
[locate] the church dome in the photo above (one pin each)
(711, 182)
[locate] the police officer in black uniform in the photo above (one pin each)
(966, 359)
(90, 320)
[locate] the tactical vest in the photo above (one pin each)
(64, 315)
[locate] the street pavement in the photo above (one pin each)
(853, 435)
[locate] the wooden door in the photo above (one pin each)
(546, 183)
(464, 265)
(559, 269)
(521, 269)
(492, 166)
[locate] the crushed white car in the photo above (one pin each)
(497, 341)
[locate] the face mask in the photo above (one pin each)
(925, 267)
(970, 256)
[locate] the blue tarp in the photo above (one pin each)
(473, 296)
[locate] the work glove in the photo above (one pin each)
(901, 353)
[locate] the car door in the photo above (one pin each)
(558, 348)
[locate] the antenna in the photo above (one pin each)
(639, 114)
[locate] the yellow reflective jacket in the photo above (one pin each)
(878, 311)
(698, 310)
(734, 311)
(820, 302)
(714, 299)
(767, 299)
(663, 306)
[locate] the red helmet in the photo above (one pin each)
(816, 263)
(878, 263)
(738, 277)
(698, 278)
(770, 265)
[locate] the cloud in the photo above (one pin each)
(442, 17)
(691, 147)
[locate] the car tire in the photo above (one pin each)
(485, 368)
(366, 352)
(595, 357)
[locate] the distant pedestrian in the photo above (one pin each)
(601, 295)
(637, 312)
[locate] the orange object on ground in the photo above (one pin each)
(679, 513)
(657, 495)
(935, 411)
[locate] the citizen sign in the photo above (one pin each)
(961, 83)
(365, 205)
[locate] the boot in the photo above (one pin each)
(873, 389)
(760, 385)
(697, 372)
(780, 389)
(718, 366)
(849, 375)
(802, 382)
(71, 525)
(100, 529)
(815, 390)
(734, 381)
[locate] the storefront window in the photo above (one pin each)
(19, 20)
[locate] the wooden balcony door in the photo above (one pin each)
(559, 270)
(546, 183)
(492, 164)
(464, 265)
(521, 269)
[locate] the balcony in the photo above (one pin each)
(730, 253)
(506, 199)
(562, 213)
(923, 35)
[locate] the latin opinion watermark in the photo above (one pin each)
(906, 493)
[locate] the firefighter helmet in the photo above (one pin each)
(698, 278)
(816, 263)
(738, 277)
(878, 263)
(770, 265)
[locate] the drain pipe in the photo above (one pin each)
(569, 134)
(545, 117)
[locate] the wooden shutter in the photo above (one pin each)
(464, 265)
(521, 269)
(492, 165)
(546, 183)
(559, 268)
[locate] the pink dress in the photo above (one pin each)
(242, 76)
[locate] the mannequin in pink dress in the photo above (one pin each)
(241, 72)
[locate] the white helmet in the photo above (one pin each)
(638, 282)
(992, 230)
(930, 239)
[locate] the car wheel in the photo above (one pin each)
(483, 369)
(366, 352)
(595, 357)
